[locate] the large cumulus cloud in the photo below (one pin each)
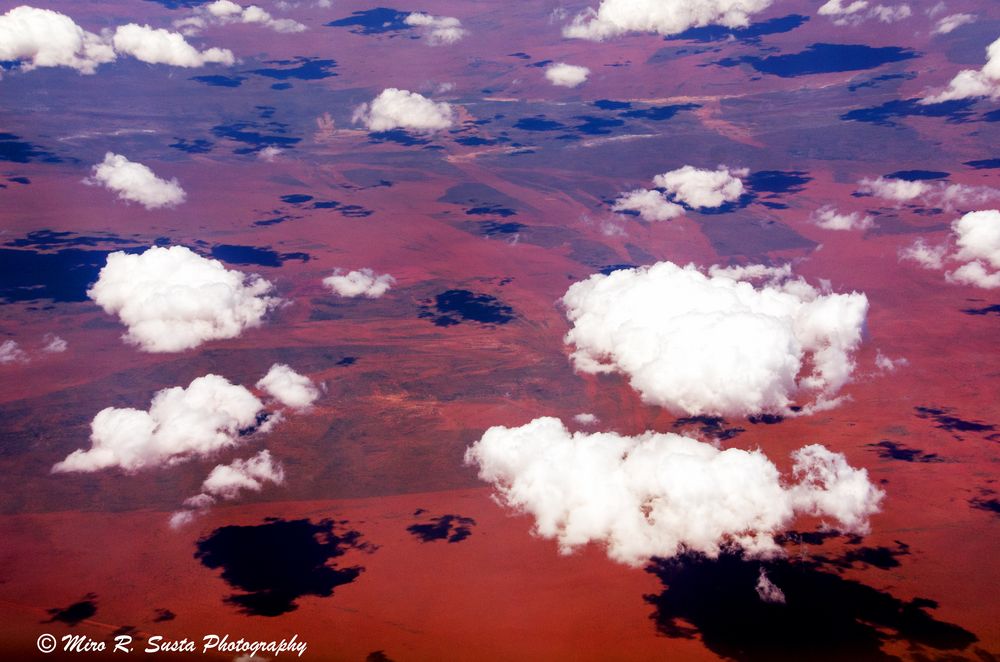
(159, 46)
(172, 299)
(401, 109)
(664, 494)
(181, 423)
(45, 38)
(135, 182)
(613, 18)
(714, 343)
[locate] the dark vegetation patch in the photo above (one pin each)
(276, 563)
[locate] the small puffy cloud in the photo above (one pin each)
(613, 18)
(936, 194)
(767, 591)
(288, 387)
(650, 205)
(886, 364)
(702, 188)
(439, 30)
(227, 481)
(927, 256)
(45, 38)
(363, 282)
(566, 75)
(402, 109)
(11, 352)
(972, 83)
(172, 299)
(716, 344)
(136, 183)
(181, 423)
(664, 494)
(853, 12)
(829, 218)
(223, 12)
(269, 153)
(946, 24)
(976, 237)
(53, 344)
(158, 46)
(586, 419)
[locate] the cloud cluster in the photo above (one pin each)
(714, 343)
(288, 387)
(935, 194)
(227, 481)
(363, 282)
(223, 12)
(976, 238)
(402, 109)
(828, 218)
(566, 75)
(172, 299)
(181, 423)
(45, 38)
(853, 12)
(613, 18)
(438, 30)
(972, 83)
(664, 494)
(136, 183)
(650, 204)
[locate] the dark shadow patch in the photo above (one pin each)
(196, 146)
(659, 113)
(986, 502)
(778, 181)
(494, 228)
(15, 150)
(377, 656)
(751, 33)
(452, 528)
(45, 239)
(945, 421)
(63, 275)
(521, 55)
(276, 220)
(609, 269)
(278, 562)
(300, 68)
(823, 59)
(474, 196)
(296, 198)
(765, 419)
(264, 257)
(712, 426)
(163, 615)
(955, 111)
(490, 210)
(538, 123)
(610, 104)
(399, 136)
(379, 20)
(346, 361)
(824, 617)
(988, 310)
(890, 450)
(881, 557)
(220, 81)
(454, 306)
(918, 175)
(19, 180)
(476, 141)
(76, 613)
(594, 126)
(257, 136)
(875, 81)
(983, 164)
(180, 4)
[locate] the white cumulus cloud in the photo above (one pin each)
(227, 481)
(946, 24)
(853, 12)
(936, 194)
(181, 423)
(288, 387)
(223, 12)
(135, 182)
(11, 352)
(716, 344)
(829, 218)
(566, 75)
(976, 237)
(45, 38)
(972, 83)
(613, 18)
(363, 282)
(402, 109)
(54, 344)
(650, 205)
(927, 256)
(439, 30)
(696, 187)
(159, 46)
(664, 494)
(172, 299)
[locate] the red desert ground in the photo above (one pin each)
(590, 330)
